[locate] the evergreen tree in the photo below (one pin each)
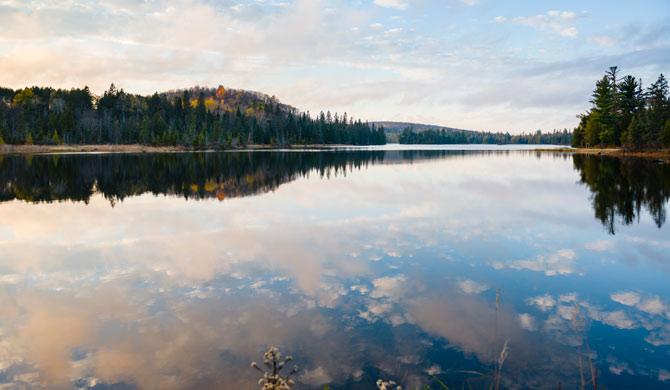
(633, 136)
(657, 102)
(665, 135)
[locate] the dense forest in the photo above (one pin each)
(200, 117)
(625, 114)
(445, 136)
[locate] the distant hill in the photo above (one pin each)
(393, 129)
(398, 127)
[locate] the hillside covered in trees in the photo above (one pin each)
(200, 117)
(449, 136)
(625, 114)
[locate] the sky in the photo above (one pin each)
(473, 64)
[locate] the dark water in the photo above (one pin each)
(177, 270)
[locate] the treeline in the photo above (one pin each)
(409, 136)
(625, 114)
(200, 117)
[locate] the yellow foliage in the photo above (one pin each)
(194, 187)
(249, 111)
(194, 103)
(23, 97)
(210, 104)
(210, 186)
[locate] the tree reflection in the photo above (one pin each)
(49, 178)
(622, 187)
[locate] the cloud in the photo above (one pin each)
(543, 302)
(628, 298)
(558, 22)
(561, 262)
(469, 286)
(392, 287)
(653, 305)
(395, 4)
(603, 40)
(618, 319)
(315, 377)
(600, 246)
(527, 321)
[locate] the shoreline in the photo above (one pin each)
(137, 148)
(660, 154)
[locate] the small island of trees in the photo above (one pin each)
(626, 115)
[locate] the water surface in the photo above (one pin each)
(177, 270)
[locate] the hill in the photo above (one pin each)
(195, 117)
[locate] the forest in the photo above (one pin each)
(443, 136)
(198, 117)
(625, 114)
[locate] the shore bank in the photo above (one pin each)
(136, 148)
(661, 154)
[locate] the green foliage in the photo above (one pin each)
(198, 116)
(665, 134)
(622, 114)
(409, 136)
(55, 138)
(29, 139)
(633, 136)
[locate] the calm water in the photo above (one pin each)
(178, 270)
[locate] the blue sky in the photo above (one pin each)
(476, 64)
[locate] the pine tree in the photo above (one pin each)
(55, 138)
(665, 134)
(633, 136)
(604, 102)
(657, 102)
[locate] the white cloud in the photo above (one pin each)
(558, 22)
(568, 298)
(628, 298)
(527, 321)
(650, 304)
(469, 286)
(558, 263)
(500, 19)
(603, 40)
(653, 305)
(392, 287)
(618, 319)
(395, 4)
(600, 246)
(315, 377)
(543, 302)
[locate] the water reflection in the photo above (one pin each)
(621, 187)
(390, 271)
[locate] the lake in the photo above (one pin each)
(470, 267)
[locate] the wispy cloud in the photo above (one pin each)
(395, 4)
(560, 22)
